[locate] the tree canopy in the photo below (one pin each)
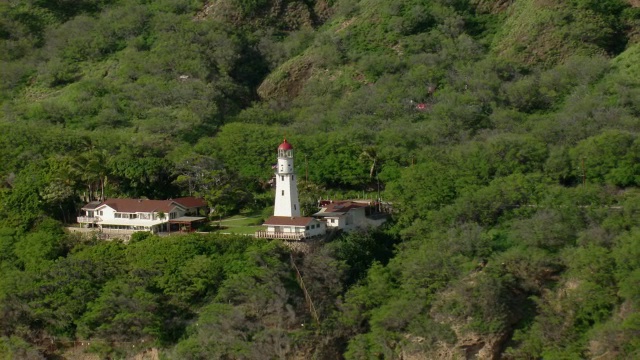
(503, 135)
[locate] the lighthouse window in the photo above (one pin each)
(294, 207)
(292, 178)
(282, 177)
(282, 192)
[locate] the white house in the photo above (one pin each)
(292, 228)
(286, 222)
(348, 215)
(125, 216)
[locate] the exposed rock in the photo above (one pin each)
(283, 14)
(492, 6)
(470, 345)
(287, 80)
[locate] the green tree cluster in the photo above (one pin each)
(502, 134)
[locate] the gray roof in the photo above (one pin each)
(92, 205)
(187, 219)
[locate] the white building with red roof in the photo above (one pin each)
(125, 216)
(291, 228)
(286, 222)
(349, 215)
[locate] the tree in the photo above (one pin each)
(601, 158)
(161, 216)
(91, 168)
(369, 154)
(124, 311)
(224, 191)
(191, 172)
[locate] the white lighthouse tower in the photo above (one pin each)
(286, 203)
(286, 222)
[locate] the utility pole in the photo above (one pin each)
(379, 200)
(306, 165)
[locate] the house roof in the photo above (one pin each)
(91, 205)
(291, 221)
(341, 207)
(191, 202)
(140, 205)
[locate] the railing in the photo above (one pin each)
(103, 231)
(87, 219)
(119, 231)
(280, 235)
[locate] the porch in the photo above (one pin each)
(186, 223)
(88, 219)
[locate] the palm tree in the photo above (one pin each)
(161, 215)
(370, 154)
(91, 168)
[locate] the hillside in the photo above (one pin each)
(504, 132)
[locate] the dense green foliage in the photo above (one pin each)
(505, 134)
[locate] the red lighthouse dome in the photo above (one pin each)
(285, 145)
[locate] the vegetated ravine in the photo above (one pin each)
(504, 133)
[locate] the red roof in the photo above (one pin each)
(285, 145)
(343, 206)
(140, 205)
(291, 221)
(191, 202)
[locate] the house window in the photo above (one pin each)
(173, 215)
(333, 221)
(117, 215)
(306, 228)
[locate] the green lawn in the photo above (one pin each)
(239, 224)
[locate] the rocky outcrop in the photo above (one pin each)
(469, 345)
(492, 6)
(288, 80)
(282, 14)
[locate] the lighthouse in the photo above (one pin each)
(286, 222)
(286, 203)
